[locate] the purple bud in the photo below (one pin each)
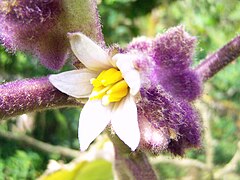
(40, 27)
(175, 118)
(28, 14)
(181, 84)
(26, 24)
(174, 49)
(167, 120)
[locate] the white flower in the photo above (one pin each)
(110, 83)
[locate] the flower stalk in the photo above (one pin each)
(218, 60)
(130, 165)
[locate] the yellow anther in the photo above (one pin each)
(110, 71)
(95, 82)
(119, 94)
(109, 86)
(107, 99)
(118, 87)
(113, 78)
(101, 75)
(114, 96)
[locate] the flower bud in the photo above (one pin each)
(167, 119)
(174, 49)
(40, 27)
(167, 123)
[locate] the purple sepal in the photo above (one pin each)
(169, 57)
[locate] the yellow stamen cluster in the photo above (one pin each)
(109, 86)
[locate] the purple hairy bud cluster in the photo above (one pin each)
(29, 13)
(27, 26)
(40, 27)
(167, 118)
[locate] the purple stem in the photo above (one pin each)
(30, 95)
(218, 60)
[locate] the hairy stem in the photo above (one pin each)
(218, 60)
(30, 95)
(130, 165)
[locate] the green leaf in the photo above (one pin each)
(95, 170)
(99, 169)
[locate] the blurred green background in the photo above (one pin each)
(213, 22)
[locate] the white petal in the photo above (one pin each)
(94, 118)
(88, 52)
(132, 78)
(125, 123)
(75, 83)
(125, 64)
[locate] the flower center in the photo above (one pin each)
(109, 86)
